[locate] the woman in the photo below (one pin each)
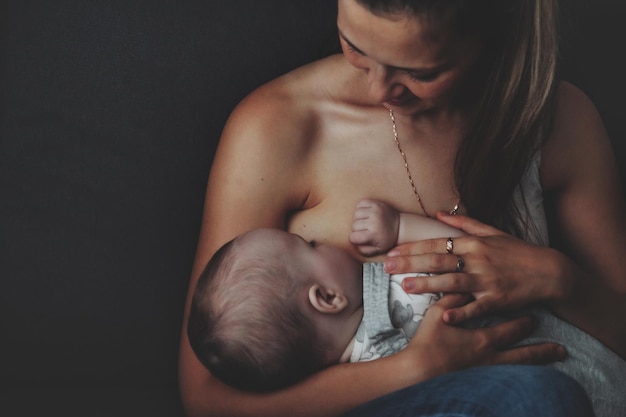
(433, 106)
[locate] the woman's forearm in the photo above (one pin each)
(437, 348)
(328, 393)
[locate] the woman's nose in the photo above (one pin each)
(382, 84)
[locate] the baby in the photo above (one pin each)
(271, 309)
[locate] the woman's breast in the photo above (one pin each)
(329, 222)
(328, 216)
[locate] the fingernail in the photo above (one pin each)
(393, 252)
(408, 284)
(448, 317)
(390, 265)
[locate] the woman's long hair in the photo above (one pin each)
(515, 104)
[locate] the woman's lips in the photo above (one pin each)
(395, 102)
(400, 101)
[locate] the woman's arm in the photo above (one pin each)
(585, 203)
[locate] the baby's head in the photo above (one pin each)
(271, 309)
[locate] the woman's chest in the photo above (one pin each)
(375, 169)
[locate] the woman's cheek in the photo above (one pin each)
(434, 90)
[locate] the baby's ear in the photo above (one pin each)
(327, 301)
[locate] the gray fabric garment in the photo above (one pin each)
(390, 315)
(376, 332)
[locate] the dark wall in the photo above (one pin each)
(593, 59)
(110, 113)
(111, 110)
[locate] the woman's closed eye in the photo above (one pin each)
(426, 77)
(350, 46)
(353, 49)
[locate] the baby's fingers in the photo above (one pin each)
(360, 237)
(368, 250)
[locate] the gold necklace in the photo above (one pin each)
(452, 212)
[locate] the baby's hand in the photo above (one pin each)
(375, 227)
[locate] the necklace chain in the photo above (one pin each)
(454, 211)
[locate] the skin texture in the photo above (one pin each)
(287, 144)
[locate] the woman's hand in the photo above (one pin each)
(501, 272)
(448, 348)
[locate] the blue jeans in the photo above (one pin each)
(492, 391)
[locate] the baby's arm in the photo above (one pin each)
(378, 227)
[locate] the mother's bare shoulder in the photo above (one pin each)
(286, 111)
(578, 140)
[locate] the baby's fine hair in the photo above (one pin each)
(245, 325)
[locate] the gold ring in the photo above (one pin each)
(449, 245)
(460, 263)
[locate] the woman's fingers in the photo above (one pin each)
(542, 354)
(511, 332)
(440, 246)
(475, 309)
(506, 334)
(479, 346)
(501, 272)
(446, 283)
(432, 262)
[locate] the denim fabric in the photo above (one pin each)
(493, 391)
